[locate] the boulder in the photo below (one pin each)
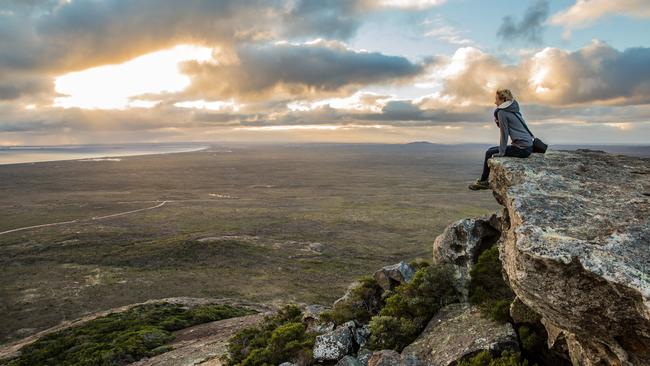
(288, 364)
(456, 332)
(391, 276)
(332, 346)
(461, 243)
(363, 356)
(577, 249)
(311, 318)
(348, 361)
(385, 358)
(312, 312)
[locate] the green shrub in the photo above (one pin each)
(487, 288)
(411, 306)
(120, 338)
(389, 332)
(279, 338)
(486, 359)
(362, 303)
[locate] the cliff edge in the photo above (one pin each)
(575, 248)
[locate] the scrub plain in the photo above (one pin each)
(267, 223)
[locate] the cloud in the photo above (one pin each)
(47, 38)
(337, 19)
(586, 12)
(438, 28)
(595, 74)
(278, 71)
(16, 85)
(530, 27)
(411, 4)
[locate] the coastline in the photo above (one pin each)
(97, 153)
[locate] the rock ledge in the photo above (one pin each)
(576, 248)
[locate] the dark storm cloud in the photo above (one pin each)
(302, 70)
(530, 28)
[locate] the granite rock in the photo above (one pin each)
(576, 249)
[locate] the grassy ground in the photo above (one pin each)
(283, 223)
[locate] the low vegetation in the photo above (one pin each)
(487, 288)
(282, 337)
(410, 307)
(121, 338)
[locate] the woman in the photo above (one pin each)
(509, 121)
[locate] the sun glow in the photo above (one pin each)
(116, 86)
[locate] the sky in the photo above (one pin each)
(362, 71)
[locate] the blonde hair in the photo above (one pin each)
(505, 94)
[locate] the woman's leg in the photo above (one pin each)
(486, 169)
(517, 152)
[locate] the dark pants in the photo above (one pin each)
(510, 151)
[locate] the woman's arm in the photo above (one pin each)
(503, 129)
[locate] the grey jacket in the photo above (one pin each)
(511, 126)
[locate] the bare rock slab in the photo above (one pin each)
(456, 332)
(577, 248)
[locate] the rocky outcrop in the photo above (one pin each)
(576, 249)
(461, 243)
(459, 331)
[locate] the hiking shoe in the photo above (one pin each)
(479, 184)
